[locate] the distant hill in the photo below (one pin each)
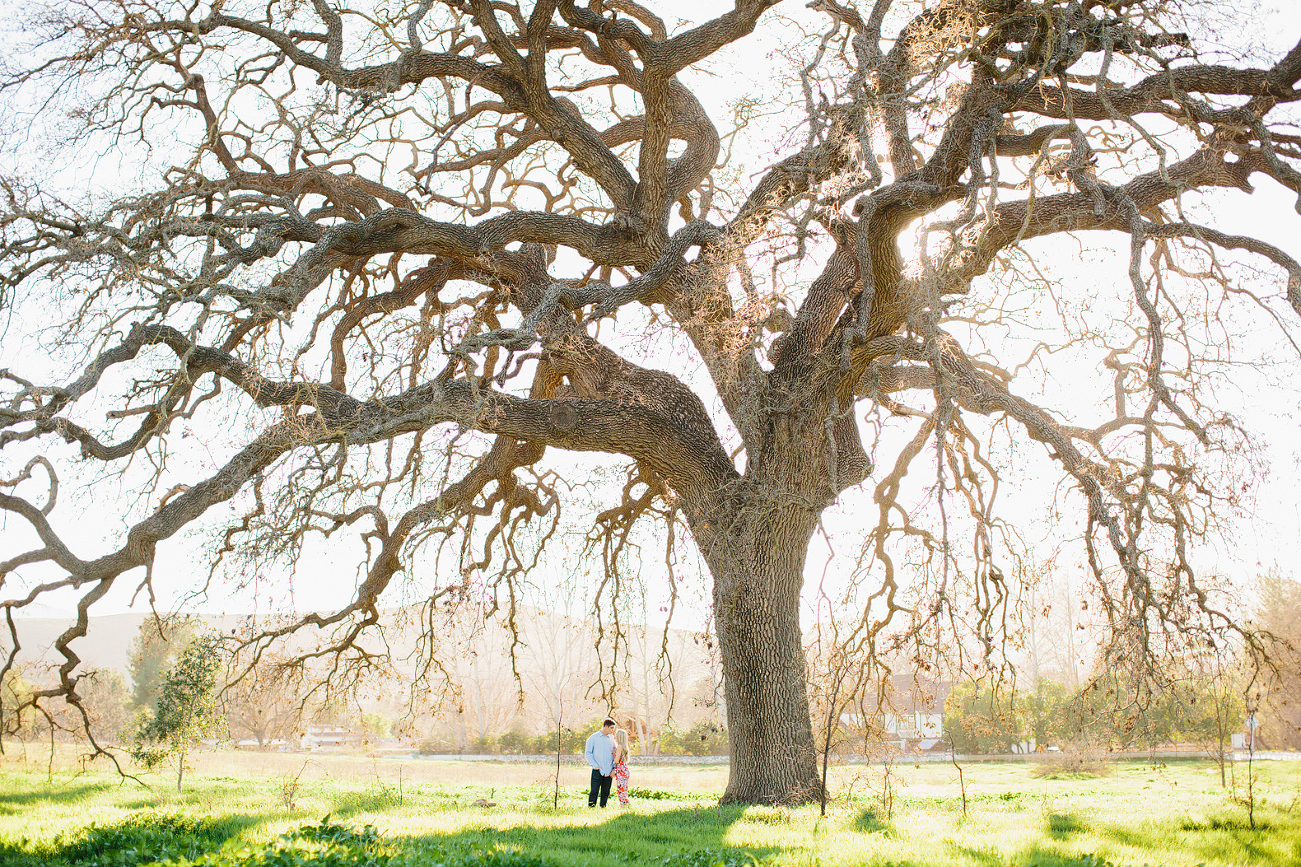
(107, 642)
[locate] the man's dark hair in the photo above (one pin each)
(608, 722)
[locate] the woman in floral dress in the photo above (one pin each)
(621, 765)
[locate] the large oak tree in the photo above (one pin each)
(381, 259)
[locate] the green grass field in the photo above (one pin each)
(251, 810)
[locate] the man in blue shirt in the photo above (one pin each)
(599, 753)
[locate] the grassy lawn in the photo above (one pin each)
(249, 810)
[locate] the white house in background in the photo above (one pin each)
(914, 719)
(321, 738)
(915, 727)
(278, 745)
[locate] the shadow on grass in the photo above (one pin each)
(1062, 826)
(870, 821)
(1225, 838)
(688, 837)
(1038, 856)
(1218, 838)
(11, 803)
(1041, 857)
(1224, 823)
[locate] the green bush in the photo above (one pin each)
(342, 835)
(983, 718)
(513, 743)
(572, 740)
(372, 799)
(436, 747)
(705, 738)
(1072, 766)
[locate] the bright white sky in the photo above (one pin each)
(1267, 534)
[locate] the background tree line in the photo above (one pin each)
(1201, 701)
(481, 705)
(980, 717)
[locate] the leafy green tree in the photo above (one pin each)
(1216, 710)
(1043, 707)
(376, 725)
(572, 740)
(982, 717)
(187, 709)
(513, 742)
(153, 651)
(1185, 702)
(1207, 708)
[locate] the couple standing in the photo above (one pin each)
(607, 753)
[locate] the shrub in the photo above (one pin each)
(572, 740)
(543, 744)
(1072, 766)
(372, 799)
(437, 746)
(705, 738)
(513, 742)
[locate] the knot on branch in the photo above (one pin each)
(563, 417)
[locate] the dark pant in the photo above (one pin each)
(601, 784)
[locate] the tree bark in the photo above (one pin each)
(758, 571)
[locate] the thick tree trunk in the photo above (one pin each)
(758, 571)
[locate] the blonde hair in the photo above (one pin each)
(622, 737)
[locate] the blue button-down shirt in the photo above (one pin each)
(599, 753)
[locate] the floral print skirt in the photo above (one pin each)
(621, 780)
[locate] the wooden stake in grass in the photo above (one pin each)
(962, 780)
(826, 742)
(1252, 724)
(556, 803)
